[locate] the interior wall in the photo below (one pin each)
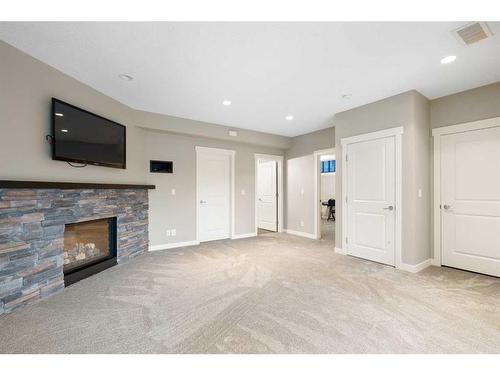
(472, 105)
(299, 178)
(27, 86)
(408, 110)
(178, 211)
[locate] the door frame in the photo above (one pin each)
(397, 133)
(436, 135)
(317, 186)
(279, 160)
(231, 154)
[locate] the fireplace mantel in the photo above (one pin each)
(18, 184)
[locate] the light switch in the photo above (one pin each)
(301, 223)
(302, 191)
(173, 232)
(420, 193)
(242, 191)
(173, 191)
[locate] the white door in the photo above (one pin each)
(470, 200)
(213, 193)
(267, 186)
(371, 178)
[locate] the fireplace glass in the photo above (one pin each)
(88, 243)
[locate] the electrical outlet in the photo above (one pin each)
(242, 191)
(301, 223)
(302, 191)
(173, 191)
(173, 232)
(168, 232)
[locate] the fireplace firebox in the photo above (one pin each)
(89, 247)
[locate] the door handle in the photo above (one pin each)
(202, 202)
(389, 208)
(260, 199)
(447, 207)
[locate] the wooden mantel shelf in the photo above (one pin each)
(13, 184)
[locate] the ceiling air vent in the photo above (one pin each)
(473, 32)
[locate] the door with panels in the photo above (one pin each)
(213, 175)
(370, 199)
(470, 200)
(267, 193)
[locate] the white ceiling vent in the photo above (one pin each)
(473, 32)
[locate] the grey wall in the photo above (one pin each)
(409, 110)
(299, 178)
(179, 211)
(471, 105)
(26, 89)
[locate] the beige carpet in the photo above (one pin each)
(271, 294)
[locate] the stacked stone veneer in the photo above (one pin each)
(32, 235)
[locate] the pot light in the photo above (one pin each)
(289, 118)
(226, 102)
(448, 59)
(64, 130)
(126, 77)
(59, 114)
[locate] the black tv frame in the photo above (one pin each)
(91, 162)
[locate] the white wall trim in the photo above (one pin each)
(173, 245)
(437, 133)
(373, 135)
(339, 250)
(317, 184)
(417, 267)
(467, 126)
(231, 153)
(279, 159)
(397, 133)
(244, 235)
(300, 234)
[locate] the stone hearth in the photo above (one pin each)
(32, 225)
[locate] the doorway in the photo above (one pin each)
(371, 196)
(268, 193)
(467, 196)
(214, 193)
(324, 196)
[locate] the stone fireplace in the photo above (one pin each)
(54, 234)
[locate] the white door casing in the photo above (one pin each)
(267, 191)
(470, 200)
(372, 195)
(215, 197)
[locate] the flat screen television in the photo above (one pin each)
(82, 137)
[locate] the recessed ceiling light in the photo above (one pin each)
(289, 118)
(448, 59)
(64, 130)
(226, 102)
(126, 77)
(59, 114)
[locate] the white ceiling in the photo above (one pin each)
(267, 70)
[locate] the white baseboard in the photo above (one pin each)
(417, 267)
(167, 246)
(300, 234)
(339, 250)
(244, 235)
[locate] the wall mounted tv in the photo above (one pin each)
(83, 137)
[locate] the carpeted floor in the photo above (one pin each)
(272, 294)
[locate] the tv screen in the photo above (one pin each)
(83, 137)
